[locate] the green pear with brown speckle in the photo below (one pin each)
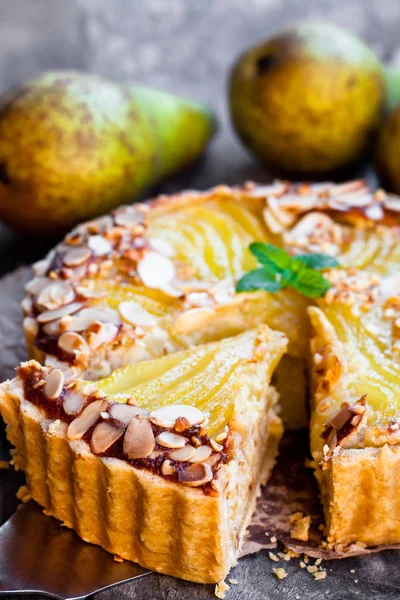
(74, 146)
(308, 101)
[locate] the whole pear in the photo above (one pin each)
(387, 156)
(308, 101)
(74, 146)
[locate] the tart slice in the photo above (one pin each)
(161, 462)
(355, 426)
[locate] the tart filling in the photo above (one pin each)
(192, 431)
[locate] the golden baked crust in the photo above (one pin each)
(129, 505)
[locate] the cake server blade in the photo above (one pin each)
(39, 556)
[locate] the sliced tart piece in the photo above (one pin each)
(355, 425)
(161, 462)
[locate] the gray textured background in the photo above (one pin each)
(187, 47)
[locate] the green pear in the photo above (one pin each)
(387, 155)
(74, 145)
(308, 101)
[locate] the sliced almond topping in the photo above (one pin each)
(155, 270)
(36, 285)
(202, 453)
(56, 294)
(392, 203)
(75, 323)
(215, 446)
(88, 417)
(374, 212)
(125, 412)
(135, 314)
(99, 245)
(88, 293)
(170, 440)
(52, 328)
(57, 313)
(183, 454)
(127, 218)
(166, 416)
(104, 435)
(73, 402)
(167, 468)
(221, 436)
(212, 460)
(106, 333)
(102, 315)
(54, 384)
(76, 256)
(139, 439)
(195, 475)
(73, 343)
(31, 327)
(192, 319)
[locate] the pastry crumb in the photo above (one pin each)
(356, 581)
(233, 581)
(352, 570)
(302, 565)
(273, 540)
(297, 597)
(118, 558)
(273, 557)
(220, 589)
(318, 561)
(3, 465)
(320, 575)
(280, 573)
(301, 526)
(24, 494)
(312, 569)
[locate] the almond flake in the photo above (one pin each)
(106, 315)
(162, 247)
(166, 416)
(136, 315)
(54, 384)
(193, 319)
(183, 454)
(126, 412)
(202, 453)
(88, 417)
(73, 343)
(139, 439)
(104, 436)
(76, 256)
(155, 270)
(73, 402)
(57, 313)
(99, 245)
(56, 294)
(196, 475)
(170, 440)
(167, 468)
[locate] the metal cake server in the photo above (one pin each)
(39, 556)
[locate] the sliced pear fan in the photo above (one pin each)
(207, 377)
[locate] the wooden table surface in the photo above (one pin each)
(186, 47)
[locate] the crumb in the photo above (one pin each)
(284, 555)
(220, 589)
(280, 573)
(273, 557)
(312, 569)
(24, 494)
(302, 565)
(273, 539)
(297, 597)
(306, 558)
(295, 517)
(118, 558)
(233, 581)
(300, 528)
(318, 561)
(320, 575)
(292, 553)
(3, 465)
(352, 570)
(356, 581)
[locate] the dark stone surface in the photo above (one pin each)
(187, 47)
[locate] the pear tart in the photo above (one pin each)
(355, 425)
(161, 462)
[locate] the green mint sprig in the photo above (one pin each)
(278, 271)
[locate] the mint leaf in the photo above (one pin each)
(319, 262)
(271, 257)
(259, 279)
(311, 283)
(287, 277)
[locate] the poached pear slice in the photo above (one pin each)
(209, 377)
